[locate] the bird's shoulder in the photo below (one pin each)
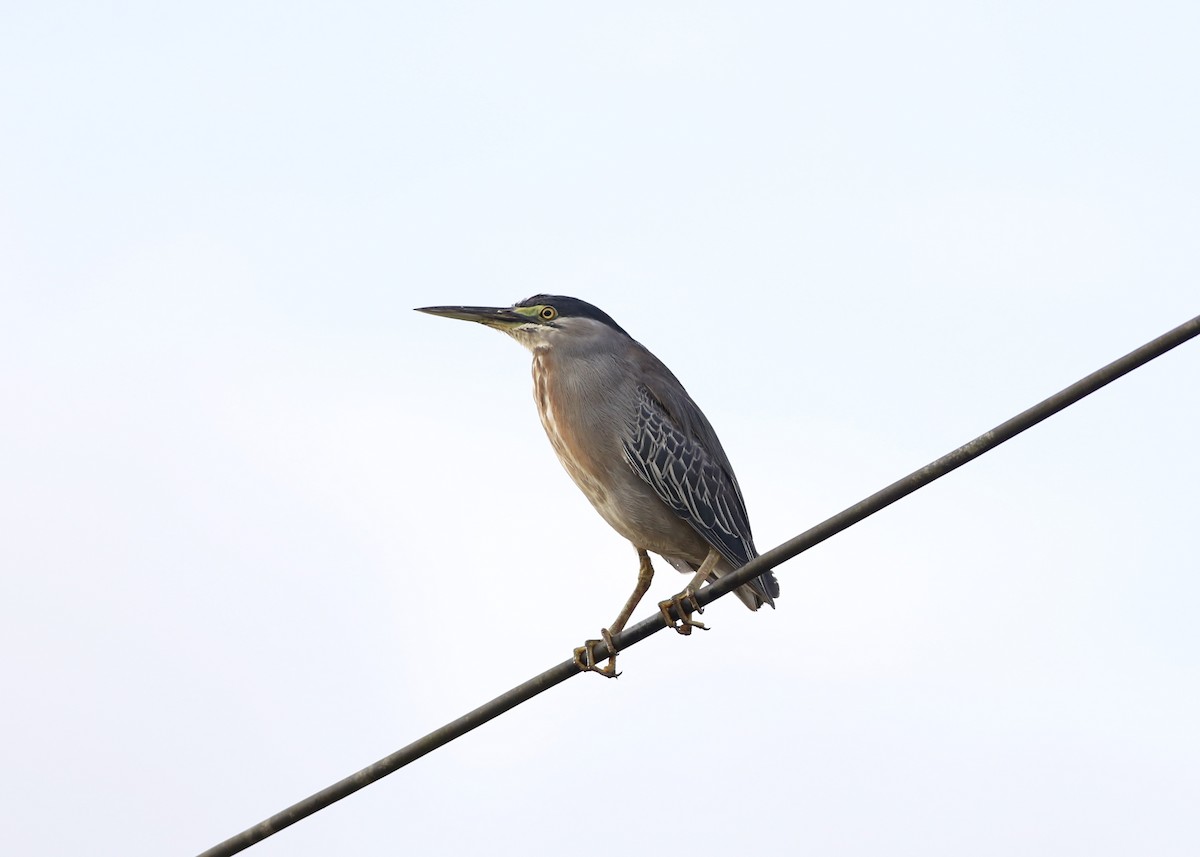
(660, 392)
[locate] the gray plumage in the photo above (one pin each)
(678, 495)
(631, 438)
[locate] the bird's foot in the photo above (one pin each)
(585, 656)
(684, 604)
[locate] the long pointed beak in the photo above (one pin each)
(499, 317)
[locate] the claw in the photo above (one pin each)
(585, 656)
(684, 605)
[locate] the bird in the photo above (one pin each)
(638, 447)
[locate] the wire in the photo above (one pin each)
(788, 550)
(951, 461)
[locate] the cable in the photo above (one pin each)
(788, 550)
(951, 461)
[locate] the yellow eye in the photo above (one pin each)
(548, 313)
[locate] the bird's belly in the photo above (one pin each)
(598, 467)
(624, 500)
(578, 462)
(637, 513)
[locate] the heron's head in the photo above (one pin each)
(539, 322)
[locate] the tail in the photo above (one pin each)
(763, 589)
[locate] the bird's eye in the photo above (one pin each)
(548, 313)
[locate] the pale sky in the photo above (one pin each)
(262, 524)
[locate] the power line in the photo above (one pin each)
(951, 461)
(772, 558)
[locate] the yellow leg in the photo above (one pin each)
(585, 655)
(684, 604)
(704, 572)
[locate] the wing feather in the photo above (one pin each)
(693, 480)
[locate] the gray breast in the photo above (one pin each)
(586, 408)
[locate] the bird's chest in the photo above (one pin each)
(578, 427)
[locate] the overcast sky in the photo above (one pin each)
(261, 524)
